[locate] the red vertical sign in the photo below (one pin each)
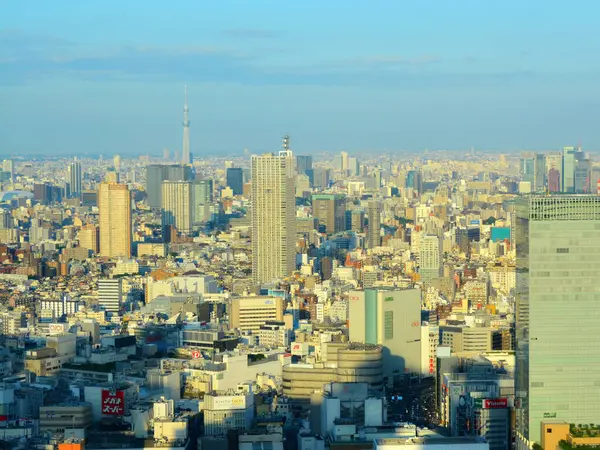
(113, 403)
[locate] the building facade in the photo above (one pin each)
(74, 172)
(330, 211)
(235, 180)
(177, 205)
(157, 173)
(392, 318)
(430, 258)
(114, 203)
(273, 216)
(88, 236)
(374, 232)
(110, 294)
(558, 268)
(251, 313)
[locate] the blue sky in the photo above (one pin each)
(89, 77)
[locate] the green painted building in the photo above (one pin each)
(390, 317)
(558, 312)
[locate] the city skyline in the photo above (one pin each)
(397, 77)
(418, 269)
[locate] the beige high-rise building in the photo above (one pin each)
(88, 237)
(345, 160)
(117, 163)
(178, 205)
(374, 234)
(330, 210)
(273, 216)
(114, 203)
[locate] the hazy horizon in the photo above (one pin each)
(89, 78)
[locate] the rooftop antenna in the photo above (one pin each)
(285, 146)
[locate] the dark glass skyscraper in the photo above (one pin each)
(157, 173)
(303, 163)
(75, 179)
(235, 180)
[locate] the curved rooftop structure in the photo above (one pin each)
(6, 196)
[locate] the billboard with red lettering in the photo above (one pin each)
(496, 403)
(113, 402)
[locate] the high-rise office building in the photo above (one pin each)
(527, 168)
(390, 317)
(157, 173)
(186, 156)
(8, 166)
(110, 294)
(74, 172)
(355, 220)
(553, 180)
(114, 204)
(374, 232)
(203, 198)
(558, 268)
(414, 180)
(319, 178)
(540, 173)
(117, 163)
(430, 258)
(568, 170)
(344, 156)
(466, 236)
(273, 215)
(42, 192)
(235, 180)
(583, 173)
(353, 166)
(553, 161)
(303, 163)
(88, 237)
(177, 205)
(330, 211)
(6, 219)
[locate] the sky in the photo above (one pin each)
(107, 77)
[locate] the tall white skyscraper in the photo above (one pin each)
(273, 215)
(74, 172)
(178, 205)
(186, 157)
(557, 375)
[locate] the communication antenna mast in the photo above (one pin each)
(285, 146)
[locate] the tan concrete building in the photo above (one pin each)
(341, 363)
(330, 211)
(250, 313)
(114, 203)
(67, 415)
(177, 205)
(45, 361)
(89, 237)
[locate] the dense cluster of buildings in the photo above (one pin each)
(447, 301)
